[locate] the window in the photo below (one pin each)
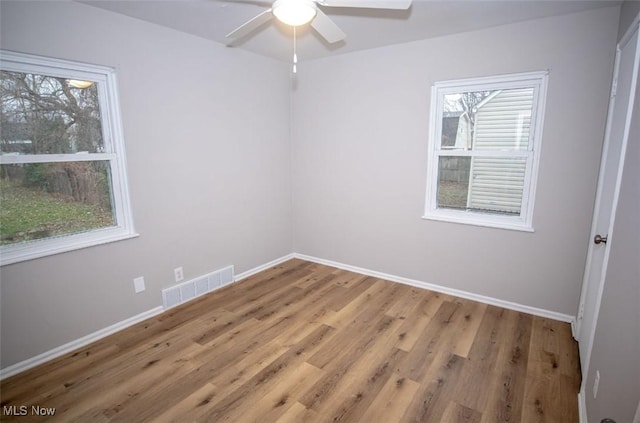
(483, 150)
(62, 165)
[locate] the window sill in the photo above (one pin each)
(475, 219)
(11, 254)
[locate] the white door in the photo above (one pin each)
(620, 109)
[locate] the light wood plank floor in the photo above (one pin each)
(302, 342)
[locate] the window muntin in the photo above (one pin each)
(483, 149)
(62, 165)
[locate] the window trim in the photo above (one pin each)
(523, 222)
(114, 154)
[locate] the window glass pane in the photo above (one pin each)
(48, 115)
(487, 120)
(453, 182)
(42, 200)
(496, 184)
(481, 184)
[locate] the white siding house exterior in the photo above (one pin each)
(502, 122)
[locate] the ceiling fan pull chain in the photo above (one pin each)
(295, 56)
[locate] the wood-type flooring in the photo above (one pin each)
(304, 342)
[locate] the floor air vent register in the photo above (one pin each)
(186, 291)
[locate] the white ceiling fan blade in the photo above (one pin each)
(251, 25)
(327, 28)
(369, 4)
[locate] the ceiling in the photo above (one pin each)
(365, 28)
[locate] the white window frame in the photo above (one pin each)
(524, 222)
(114, 154)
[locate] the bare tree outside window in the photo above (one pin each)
(458, 128)
(47, 115)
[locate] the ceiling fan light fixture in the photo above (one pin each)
(294, 12)
(76, 83)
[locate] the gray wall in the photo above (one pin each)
(360, 127)
(616, 346)
(208, 151)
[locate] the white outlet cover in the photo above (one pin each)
(138, 284)
(179, 274)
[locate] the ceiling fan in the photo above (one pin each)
(300, 12)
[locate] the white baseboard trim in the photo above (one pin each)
(582, 407)
(78, 343)
(262, 267)
(438, 288)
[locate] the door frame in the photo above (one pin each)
(585, 361)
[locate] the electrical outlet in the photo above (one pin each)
(595, 384)
(138, 284)
(179, 274)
